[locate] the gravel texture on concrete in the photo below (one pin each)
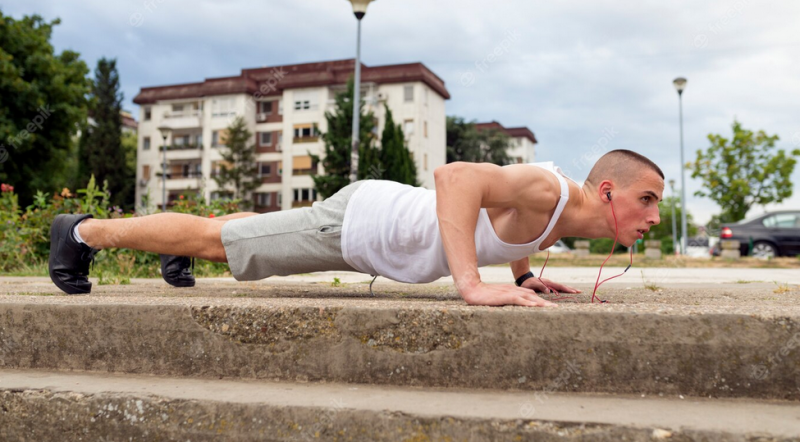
(720, 340)
(45, 406)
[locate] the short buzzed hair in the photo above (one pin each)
(621, 167)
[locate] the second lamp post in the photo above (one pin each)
(680, 85)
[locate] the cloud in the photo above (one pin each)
(574, 70)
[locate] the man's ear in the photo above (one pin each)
(606, 190)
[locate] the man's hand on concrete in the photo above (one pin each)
(503, 294)
(535, 284)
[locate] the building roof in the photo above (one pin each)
(128, 120)
(272, 80)
(514, 132)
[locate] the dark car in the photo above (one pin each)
(772, 234)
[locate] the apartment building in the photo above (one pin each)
(284, 106)
(523, 142)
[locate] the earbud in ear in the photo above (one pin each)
(608, 194)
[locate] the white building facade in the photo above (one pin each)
(523, 141)
(285, 108)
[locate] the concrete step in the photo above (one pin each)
(732, 342)
(56, 406)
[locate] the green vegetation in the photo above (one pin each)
(44, 102)
(25, 233)
(742, 172)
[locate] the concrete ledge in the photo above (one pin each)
(418, 344)
(60, 406)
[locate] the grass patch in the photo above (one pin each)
(33, 294)
(782, 288)
(649, 285)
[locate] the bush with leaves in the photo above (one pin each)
(25, 234)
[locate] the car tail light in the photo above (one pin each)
(726, 233)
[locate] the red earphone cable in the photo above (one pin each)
(616, 235)
(596, 284)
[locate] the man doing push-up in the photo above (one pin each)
(479, 214)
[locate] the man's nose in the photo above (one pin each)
(655, 220)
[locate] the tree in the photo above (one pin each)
(239, 168)
(663, 231)
(466, 143)
(395, 159)
(42, 104)
(339, 144)
(742, 172)
(100, 151)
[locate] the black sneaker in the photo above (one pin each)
(69, 259)
(175, 270)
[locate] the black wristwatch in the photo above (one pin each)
(523, 278)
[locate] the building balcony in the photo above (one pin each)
(300, 140)
(296, 204)
(183, 119)
(184, 146)
(271, 117)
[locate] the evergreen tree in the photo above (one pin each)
(338, 145)
(239, 169)
(395, 158)
(100, 151)
(41, 88)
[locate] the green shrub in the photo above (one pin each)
(25, 234)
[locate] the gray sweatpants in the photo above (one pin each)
(303, 240)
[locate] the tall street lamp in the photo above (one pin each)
(680, 85)
(674, 238)
(360, 10)
(165, 130)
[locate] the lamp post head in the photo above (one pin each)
(680, 84)
(165, 130)
(672, 185)
(360, 7)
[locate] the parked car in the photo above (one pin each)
(559, 247)
(772, 234)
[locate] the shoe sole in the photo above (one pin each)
(180, 284)
(55, 240)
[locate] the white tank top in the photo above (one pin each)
(391, 229)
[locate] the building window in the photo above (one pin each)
(425, 161)
(265, 107)
(306, 100)
(425, 95)
(146, 172)
(408, 93)
(223, 107)
(266, 138)
(305, 194)
(218, 138)
(425, 127)
(263, 199)
(146, 143)
(280, 107)
(305, 133)
(147, 114)
(264, 169)
(280, 141)
(408, 127)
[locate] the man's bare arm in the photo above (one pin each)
(462, 189)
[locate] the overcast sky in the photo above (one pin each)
(585, 77)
